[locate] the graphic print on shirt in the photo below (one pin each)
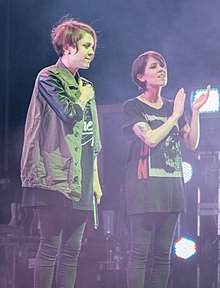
(165, 159)
(87, 135)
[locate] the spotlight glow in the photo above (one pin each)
(212, 104)
(184, 248)
(187, 171)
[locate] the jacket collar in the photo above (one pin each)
(66, 74)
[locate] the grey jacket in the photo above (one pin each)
(51, 156)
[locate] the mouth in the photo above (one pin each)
(162, 76)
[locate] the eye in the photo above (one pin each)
(86, 45)
(162, 65)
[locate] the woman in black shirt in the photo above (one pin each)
(154, 176)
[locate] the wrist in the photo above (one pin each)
(81, 103)
(174, 118)
(195, 111)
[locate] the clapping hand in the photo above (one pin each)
(179, 103)
(202, 99)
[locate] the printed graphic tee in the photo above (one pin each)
(154, 176)
(87, 162)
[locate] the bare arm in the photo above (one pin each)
(153, 137)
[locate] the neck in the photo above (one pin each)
(152, 95)
(68, 65)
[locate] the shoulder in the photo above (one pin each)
(56, 74)
(130, 104)
(55, 70)
(47, 70)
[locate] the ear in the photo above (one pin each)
(66, 50)
(69, 50)
(141, 78)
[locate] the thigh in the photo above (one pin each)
(73, 226)
(50, 220)
(141, 228)
(165, 226)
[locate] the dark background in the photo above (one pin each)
(186, 32)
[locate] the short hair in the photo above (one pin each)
(139, 65)
(69, 32)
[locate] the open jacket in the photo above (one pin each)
(51, 156)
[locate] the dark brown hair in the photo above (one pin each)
(69, 32)
(139, 65)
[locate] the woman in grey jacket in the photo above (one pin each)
(61, 142)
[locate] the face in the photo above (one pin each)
(81, 58)
(155, 73)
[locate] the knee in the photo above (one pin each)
(139, 252)
(163, 257)
(49, 248)
(70, 252)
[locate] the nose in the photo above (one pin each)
(91, 51)
(162, 68)
(91, 54)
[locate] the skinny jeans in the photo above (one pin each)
(61, 233)
(152, 235)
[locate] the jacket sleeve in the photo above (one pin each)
(53, 92)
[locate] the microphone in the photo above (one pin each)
(95, 213)
(85, 82)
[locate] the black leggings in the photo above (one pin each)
(151, 232)
(61, 232)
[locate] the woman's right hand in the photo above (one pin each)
(179, 103)
(86, 91)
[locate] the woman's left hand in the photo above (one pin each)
(202, 99)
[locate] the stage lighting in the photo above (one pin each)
(213, 102)
(184, 248)
(187, 171)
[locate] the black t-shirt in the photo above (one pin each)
(154, 176)
(87, 164)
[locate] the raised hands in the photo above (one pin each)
(202, 99)
(179, 103)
